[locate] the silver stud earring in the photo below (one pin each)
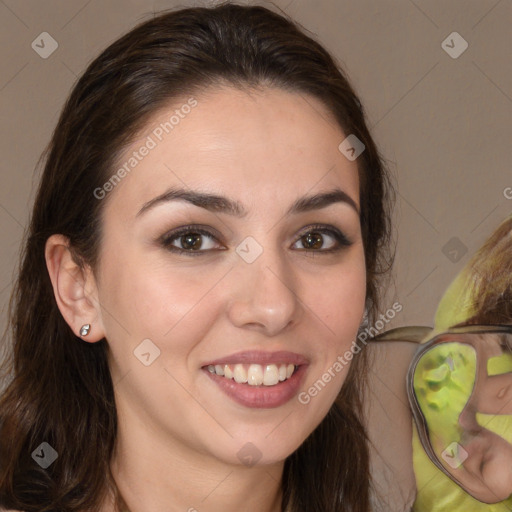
(85, 330)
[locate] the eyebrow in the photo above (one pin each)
(221, 204)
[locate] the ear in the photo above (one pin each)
(74, 288)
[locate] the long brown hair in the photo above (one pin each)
(60, 389)
(490, 278)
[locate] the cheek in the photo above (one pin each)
(339, 300)
(496, 473)
(150, 301)
(338, 304)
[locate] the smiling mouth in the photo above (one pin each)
(254, 374)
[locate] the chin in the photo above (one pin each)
(490, 496)
(495, 487)
(250, 450)
(497, 493)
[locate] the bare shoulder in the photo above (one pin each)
(389, 424)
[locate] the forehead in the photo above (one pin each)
(242, 140)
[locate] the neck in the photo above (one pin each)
(154, 473)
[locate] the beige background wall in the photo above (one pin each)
(443, 123)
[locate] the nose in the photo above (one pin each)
(265, 296)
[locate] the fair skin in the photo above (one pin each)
(482, 454)
(180, 433)
(482, 473)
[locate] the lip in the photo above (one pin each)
(260, 357)
(261, 397)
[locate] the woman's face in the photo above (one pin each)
(244, 287)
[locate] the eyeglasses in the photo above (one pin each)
(459, 386)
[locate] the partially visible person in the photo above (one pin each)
(456, 400)
(481, 294)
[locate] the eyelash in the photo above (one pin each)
(168, 238)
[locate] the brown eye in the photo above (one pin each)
(323, 240)
(312, 241)
(191, 241)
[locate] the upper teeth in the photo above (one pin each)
(254, 374)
